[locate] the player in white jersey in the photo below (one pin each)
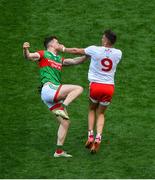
(104, 60)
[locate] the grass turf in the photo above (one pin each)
(28, 130)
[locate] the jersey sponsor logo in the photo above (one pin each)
(50, 63)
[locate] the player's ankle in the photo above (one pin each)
(90, 133)
(98, 138)
(64, 106)
(59, 149)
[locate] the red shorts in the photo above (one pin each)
(101, 93)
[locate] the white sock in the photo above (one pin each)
(90, 132)
(98, 136)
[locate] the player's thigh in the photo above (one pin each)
(101, 109)
(99, 91)
(93, 106)
(66, 89)
(47, 94)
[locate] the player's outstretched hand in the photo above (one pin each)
(61, 48)
(26, 45)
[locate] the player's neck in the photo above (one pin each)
(52, 50)
(107, 45)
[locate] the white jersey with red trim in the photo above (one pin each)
(103, 63)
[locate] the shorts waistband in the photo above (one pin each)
(51, 85)
(47, 83)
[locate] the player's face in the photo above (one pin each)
(55, 44)
(105, 41)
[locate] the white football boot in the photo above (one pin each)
(61, 113)
(63, 154)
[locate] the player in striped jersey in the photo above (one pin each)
(55, 95)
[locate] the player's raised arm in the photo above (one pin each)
(26, 53)
(74, 61)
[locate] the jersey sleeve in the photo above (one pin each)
(119, 54)
(62, 59)
(41, 53)
(90, 51)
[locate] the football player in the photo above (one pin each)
(104, 60)
(55, 95)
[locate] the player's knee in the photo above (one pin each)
(66, 123)
(80, 89)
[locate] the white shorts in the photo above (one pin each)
(49, 94)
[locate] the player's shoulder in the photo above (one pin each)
(91, 50)
(96, 48)
(117, 52)
(41, 53)
(40, 50)
(92, 47)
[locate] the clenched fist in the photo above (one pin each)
(26, 45)
(61, 47)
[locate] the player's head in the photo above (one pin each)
(109, 38)
(51, 41)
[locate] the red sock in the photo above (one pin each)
(61, 108)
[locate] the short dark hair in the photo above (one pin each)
(111, 36)
(49, 39)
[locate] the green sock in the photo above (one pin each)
(64, 105)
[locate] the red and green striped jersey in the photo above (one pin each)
(50, 67)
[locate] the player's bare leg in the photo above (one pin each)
(67, 93)
(99, 128)
(100, 119)
(62, 131)
(61, 136)
(92, 115)
(91, 122)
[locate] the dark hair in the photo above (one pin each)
(111, 36)
(48, 39)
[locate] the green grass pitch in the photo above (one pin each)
(28, 130)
